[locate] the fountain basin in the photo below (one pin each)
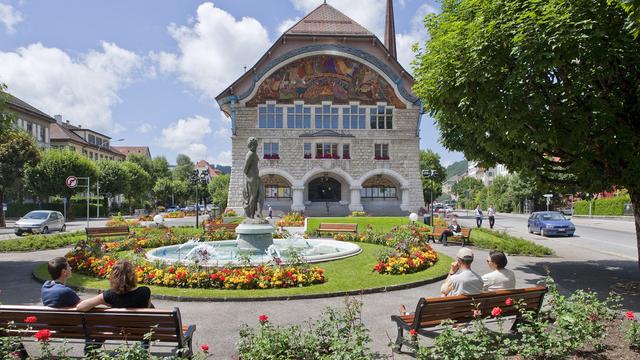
(227, 252)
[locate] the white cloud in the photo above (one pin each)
(187, 136)
(222, 158)
(144, 128)
(223, 132)
(214, 49)
(417, 34)
(285, 25)
(83, 90)
(368, 13)
(9, 17)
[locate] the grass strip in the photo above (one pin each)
(41, 242)
(350, 274)
(509, 244)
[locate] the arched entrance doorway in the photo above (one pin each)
(278, 194)
(380, 195)
(325, 189)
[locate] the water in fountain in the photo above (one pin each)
(202, 253)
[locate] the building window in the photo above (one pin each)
(92, 139)
(354, 117)
(378, 192)
(29, 127)
(381, 151)
(299, 117)
(307, 150)
(326, 117)
(327, 151)
(277, 192)
(382, 118)
(346, 154)
(271, 151)
(270, 116)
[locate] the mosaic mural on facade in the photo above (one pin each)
(326, 78)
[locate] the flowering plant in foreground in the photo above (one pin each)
(632, 330)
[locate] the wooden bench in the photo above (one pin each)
(228, 227)
(430, 312)
(336, 228)
(465, 233)
(100, 324)
(107, 231)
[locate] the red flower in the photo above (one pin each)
(30, 319)
(630, 315)
(508, 302)
(204, 348)
(496, 311)
(263, 319)
(413, 332)
(43, 335)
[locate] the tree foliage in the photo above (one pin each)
(160, 168)
(139, 183)
(162, 191)
(48, 177)
(6, 117)
(429, 160)
(112, 176)
(184, 167)
(466, 190)
(219, 190)
(547, 88)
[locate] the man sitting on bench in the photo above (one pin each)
(54, 292)
(462, 280)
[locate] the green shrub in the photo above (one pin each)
(77, 208)
(613, 206)
(41, 242)
(501, 241)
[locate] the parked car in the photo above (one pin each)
(550, 223)
(40, 222)
(567, 211)
(189, 208)
(172, 209)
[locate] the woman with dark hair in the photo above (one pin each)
(123, 292)
(500, 278)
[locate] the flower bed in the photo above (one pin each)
(119, 220)
(175, 215)
(291, 219)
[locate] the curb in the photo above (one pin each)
(272, 298)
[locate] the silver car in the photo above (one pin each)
(40, 222)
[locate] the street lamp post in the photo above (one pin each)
(98, 180)
(195, 179)
(430, 174)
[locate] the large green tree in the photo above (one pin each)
(48, 177)
(466, 190)
(163, 191)
(113, 178)
(548, 88)
(219, 190)
(139, 184)
(160, 168)
(184, 167)
(17, 151)
(429, 160)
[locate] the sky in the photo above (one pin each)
(147, 71)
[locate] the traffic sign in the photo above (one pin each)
(72, 182)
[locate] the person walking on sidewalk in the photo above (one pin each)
(478, 216)
(491, 213)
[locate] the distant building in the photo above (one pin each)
(448, 185)
(486, 175)
(31, 120)
(211, 171)
(90, 143)
(128, 150)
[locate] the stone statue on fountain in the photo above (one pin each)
(253, 192)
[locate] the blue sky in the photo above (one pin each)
(147, 71)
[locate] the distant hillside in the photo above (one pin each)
(224, 169)
(457, 168)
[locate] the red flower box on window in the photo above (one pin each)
(307, 156)
(335, 156)
(347, 157)
(271, 157)
(381, 158)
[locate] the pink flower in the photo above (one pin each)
(43, 335)
(508, 302)
(263, 319)
(630, 315)
(413, 332)
(496, 311)
(30, 319)
(477, 313)
(204, 348)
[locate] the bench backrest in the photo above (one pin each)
(432, 311)
(230, 227)
(466, 232)
(437, 231)
(98, 324)
(108, 231)
(338, 227)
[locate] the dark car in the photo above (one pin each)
(550, 223)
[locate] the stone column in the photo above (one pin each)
(355, 204)
(404, 206)
(298, 198)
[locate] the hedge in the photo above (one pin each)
(509, 244)
(42, 242)
(77, 209)
(613, 206)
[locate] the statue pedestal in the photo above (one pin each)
(255, 237)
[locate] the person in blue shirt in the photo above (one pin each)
(54, 292)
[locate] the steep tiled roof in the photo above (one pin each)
(62, 132)
(22, 105)
(128, 150)
(327, 20)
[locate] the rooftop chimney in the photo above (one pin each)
(390, 31)
(58, 119)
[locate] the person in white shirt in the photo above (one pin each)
(500, 278)
(478, 216)
(462, 280)
(491, 213)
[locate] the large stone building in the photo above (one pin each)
(90, 143)
(31, 120)
(336, 121)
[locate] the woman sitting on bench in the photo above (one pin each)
(454, 230)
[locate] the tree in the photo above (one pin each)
(145, 163)
(632, 8)
(139, 184)
(219, 190)
(466, 190)
(547, 88)
(18, 150)
(113, 178)
(48, 177)
(429, 160)
(181, 191)
(163, 190)
(184, 167)
(160, 168)
(6, 118)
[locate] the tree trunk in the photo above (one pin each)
(635, 201)
(2, 223)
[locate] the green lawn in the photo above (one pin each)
(378, 223)
(511, 245)
(41, 242)
(354, 273)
